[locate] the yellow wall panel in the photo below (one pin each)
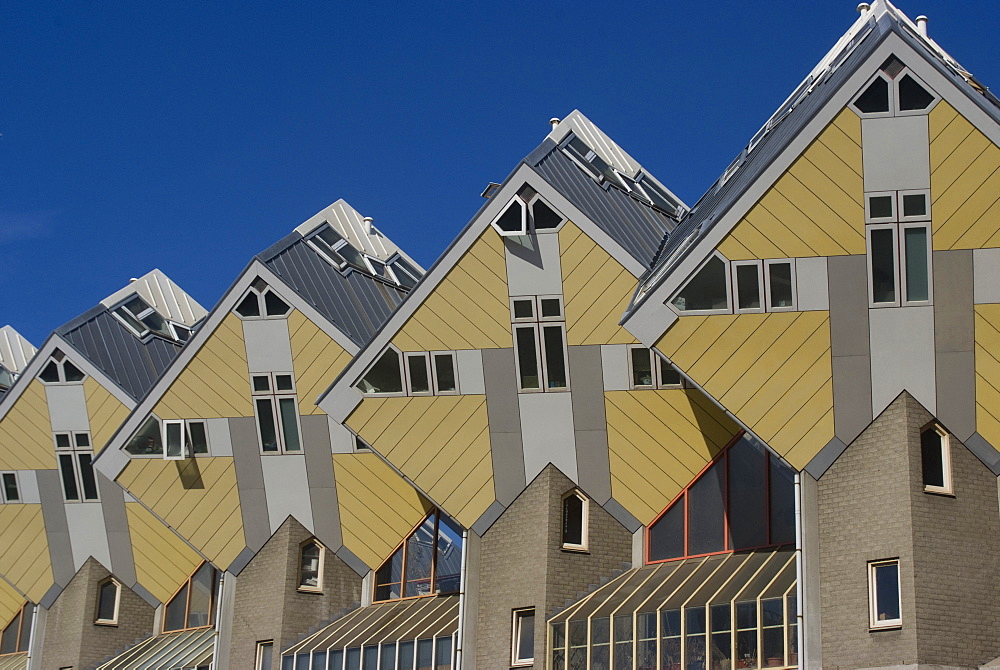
(815, 209)
(378, 508)
(216, 382)
(197, 497)
(10, 602)
(772, 371)
(26, 432)
(24, 553)
(658, 441)
(105, 411)
(162, 560)
(988, 372)
(965, 182)
(317, 360)
(469, 308)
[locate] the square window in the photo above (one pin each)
(880, 207)
(523, 629)
(551, 308)
(284, 383)
(885, 605)
(524, 308)
(261, 383)
(914, 205)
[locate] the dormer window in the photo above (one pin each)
(143, 320)
(261, 302)
(59, 370)
(337, 251)
(894, 91)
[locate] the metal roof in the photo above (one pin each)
(186, 650)
(15, 351)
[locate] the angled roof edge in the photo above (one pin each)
(164, 295)
(15, 351)
(663, 279)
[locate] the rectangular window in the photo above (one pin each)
(936, 460)
(780, 280)
(916, 250)
(883, 261)
(10, 490)
(914, 206)
(880, 207)
(265, 655)
(445, 380)
(75, 468)
(528, 365)
(276, 409)
(173, 440)
(885, 606)
(540, 343)
(523, 629)
(418, 374)
(899, 259)
(748, 280)
(648, 370)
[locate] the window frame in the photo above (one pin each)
(537, 324)
(518, 616)
(74, 451)
(701, 266)
(213, 598)
(407, 381)
(61, 371)
(523, 230)
(893, 83)
(303, 588)
(902, 217)
(656, 365)
(736, 287)
(948, 488)
(113, 621)
(261, 303)
(435, 385)
(584, 522)
(767, 284)
(403, 547)
(274, 397)
(894, 216)
(3, 488)
(19, 616)
(259, 656)
(895, 259)
(873, 599)
(903, 262)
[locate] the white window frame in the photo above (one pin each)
(537, 323)
(696, 312)
(892, 97)
(319, 572)
(3, 487)
(523, 230)
(533, 328)
(118, 598)
(873, 621)
(402, 375)
(895, 95)
(517, 618)
(901, 238)
(531, 216)
(261, 305)
(259, 655)
(407, 382)
(913, 217)
(74, 452)
(896, 264)
(736, 288)
(274, 396)
(61, 372)
(948, 488)
(585, 521)
(767, 284)
(656, 363)
(186, 447)
(435, 386)
(881, 219)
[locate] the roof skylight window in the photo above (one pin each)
(6, 378)
(600, 168)
(143, 321)
(336, 249)
(405, 274)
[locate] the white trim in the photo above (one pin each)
(3, 488)
(584, 521)
(903, 262)
(926, 216)
(523, 230)
(948, 488)
(790, 262)
(729, 289)
(881, 219)
(434, 372)
(407, 379)
(517, 617)
(874, 622)
(891, 92)
(113, 621)
(895, 260)
(533, 327)
(164, 427)
(736, 287)
(302, 588)
(402, 375)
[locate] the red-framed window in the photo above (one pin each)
(744, 499)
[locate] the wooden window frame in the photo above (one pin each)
(187, 602)
(873, 621)
(113, 621)
(517, 617)
(584, 521)
(319, 572)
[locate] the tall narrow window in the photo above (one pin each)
(192, 606)
(899, 250)
(882, 265)
(916, 257)
(780, 285)
(706, 291)
(575, 508)
(265, 655)
(418, 374)
(108, 598)
(74, 453)
(540, 343)
(276, 407)
(445, 381)
(16, 634)
(885, 606)
(748, 286)
(523, 637)
(10, 492)
(428, 562)
(311, 566)
(936, 460)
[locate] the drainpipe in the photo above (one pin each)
(799, 571)
(459, 641)
(218, 620)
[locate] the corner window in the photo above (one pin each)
(935, 458)
(523, 637)
(885, 606)
(16, 634)
(428, 562)
(74, 453)
(648, 370)
(384, 377)
(108, 599)
(276, 407)
(526, 213)
(893, 91)
(575, 516)
(311, 566)
(148, 441)
(59, 370)
(539, 326)
(707, 291)
(9, 491)
(193, 604)
(261, 302)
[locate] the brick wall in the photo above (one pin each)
(72, 639)
(523, 565)
(268, 604)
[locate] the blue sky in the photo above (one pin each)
(189, 136)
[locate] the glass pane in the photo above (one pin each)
(405, 654)
(202, 585)
(782, 503)
(917, 277)
(915, 205)
(62, 441)
(721, 642)
(526, 635)
(772, 612)
(50, 373)
(8, 642)
(880, 206)
(265, 421)
(442, 653)
(572, 526)
(417, 367)
(261, 383)
(511, 220)
(666, 535)
(599, 657)
(283, 383)
(287, 663)
(425, 654)
(389, 577)
(28, 614)
(912, 95)
(773, 647)
(623, 642)
(448, 569)
(642, 367)
(747, 496)
(87, 476)
(265, 655)
(543, 215)
(444, 370)
(198, 437)
(155, 323)
(174, 616)
(273, 305)
(10, 492)
(309, 566)
(132, 322)
(669, 375)
(319, 661)
(107, 595)
(249, 306)
(527, 357)
(329, 235)
(387, 659)
(524, 309)
(73, 373)
(353, 256)
(670, 644)
(887, 592)
(289, 423)
(780, 276)
(577, 633)
(883, 265)
(706, 290)
(555, 356)
(175, 442)
(875, 98)
(706, 511)
(419, 555)
(600, 630)
(81, 439)
(353, 661)
(68, 477)
(148, 440)
(369, 657)
(385, 376)
(551, 308)
(747, 287)
(931, 455)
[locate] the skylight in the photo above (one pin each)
(337, 251)
(144, 321)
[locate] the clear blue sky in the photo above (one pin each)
(189, 136)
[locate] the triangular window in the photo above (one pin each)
(913, 96)
(707, 291)
(385, 376)
(875, 98)
(428, 562)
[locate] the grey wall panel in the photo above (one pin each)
(622, 515)
(826, 457)
(287, 486)
(811, 283)
(902, 352)
(470, 372)
(250, 481)
(533, 266)
(956, 398)
(812, 634)
(56, 526)
(505, 423)
(322, 484)
(954, 341)
(268, 349)
(219, 440)
(354, 563)
(590, 422)
(615, 367)
(116, 523)
(547, 433)
(68, 408)
(852, 396)
(87, 534)
(987, 275)
(144, 593)
(985, 452)
(896, 153)
(488, 518)
(848, 280)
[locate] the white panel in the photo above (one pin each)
(27, 485)
(614, 360)
(902, 354)
(812, 284)
(220, 442)
(533, 266)
(470, 372)
(341, 439)
(986, 273)
(896, 153)
(87, 534)
(67, 407)
(268, 349)
(164, 295)
(129, 497)
(287, 489)
(15, 351)
(547, 433)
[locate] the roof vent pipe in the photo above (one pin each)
(554, 122)
(922, 25)
(863, 7)
(368, 224)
